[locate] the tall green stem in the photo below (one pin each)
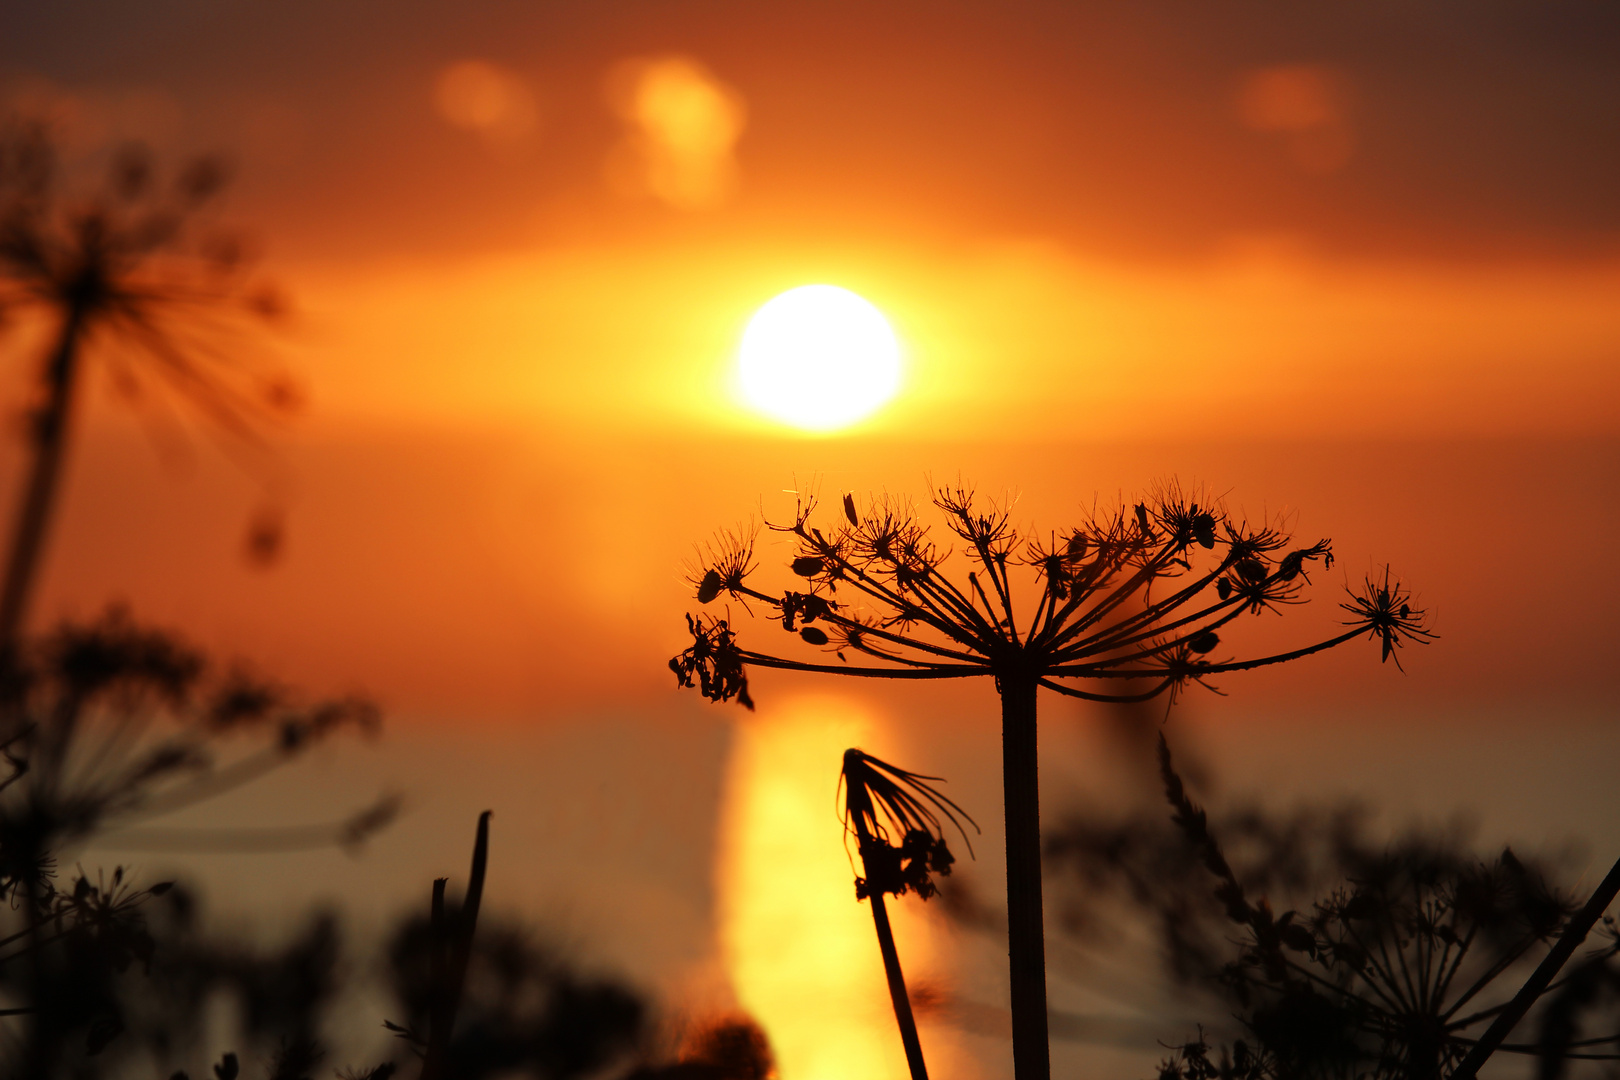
(897, 990)
(39, 495)
(1026, 938)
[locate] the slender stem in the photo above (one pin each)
(875, 631)
(1116, 699)
(1115, 598)
(897, 989)
(1573, 935)
(933, 671)
(457, 943)
(1026, 940)
(1105, 670)
(1150, 613)
(44, 479)
(438, 964)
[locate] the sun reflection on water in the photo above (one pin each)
(800, 952)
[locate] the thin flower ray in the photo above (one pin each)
(1075, 621)
(878, 792)
(848, 622)
(875, 589)
(1102, 645)
(1153, 611)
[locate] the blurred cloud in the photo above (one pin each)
(486, 99)
(84, 120)
(1457, 136)
(684, 125)
(1307, 104)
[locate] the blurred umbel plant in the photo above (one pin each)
(894, 816)
(105, 727)
(1394, 974)
(1127, 606)
(132, 272)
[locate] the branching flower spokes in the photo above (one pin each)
(1142, 594)
(895, 817)
(1384, 610)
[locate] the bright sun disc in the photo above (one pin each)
(818, 357)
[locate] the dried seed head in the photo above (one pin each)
(709, 587)
(1203, 528)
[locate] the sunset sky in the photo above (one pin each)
(1354, 265)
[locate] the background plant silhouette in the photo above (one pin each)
(131, 272)
(1395, 961)
(111, 725)
(1129, 605)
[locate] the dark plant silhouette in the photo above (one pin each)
(1583, 984)
(731, 1049)
(496, 1005)
(1392, 975)
(522, 1011)
(128, 273)
(281, 993)
(450, 951)
(1127, 606)
(894, 816)
(106, 726)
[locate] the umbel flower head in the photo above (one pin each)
(1124, 607)
(137, 269)
(894, 816)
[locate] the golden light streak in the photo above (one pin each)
(1020, 341)
(800, 951)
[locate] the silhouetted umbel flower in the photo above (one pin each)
(1127, 606)
(126, 265)
(895, 819)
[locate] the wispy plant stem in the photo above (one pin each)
(897, 989)
(452, 949)
(49, 439)
(1573, 935)
(1026, 937)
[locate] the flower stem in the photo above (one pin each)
(897, 989)
(1026, 939)
(49, 438)
(452, 950)
(1573, 935)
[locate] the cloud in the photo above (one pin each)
(84, 120)
(683, 123)
(1306, 104)
(486, 99)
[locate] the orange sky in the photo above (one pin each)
(1357, 266)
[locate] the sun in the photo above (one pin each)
(819, 358)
